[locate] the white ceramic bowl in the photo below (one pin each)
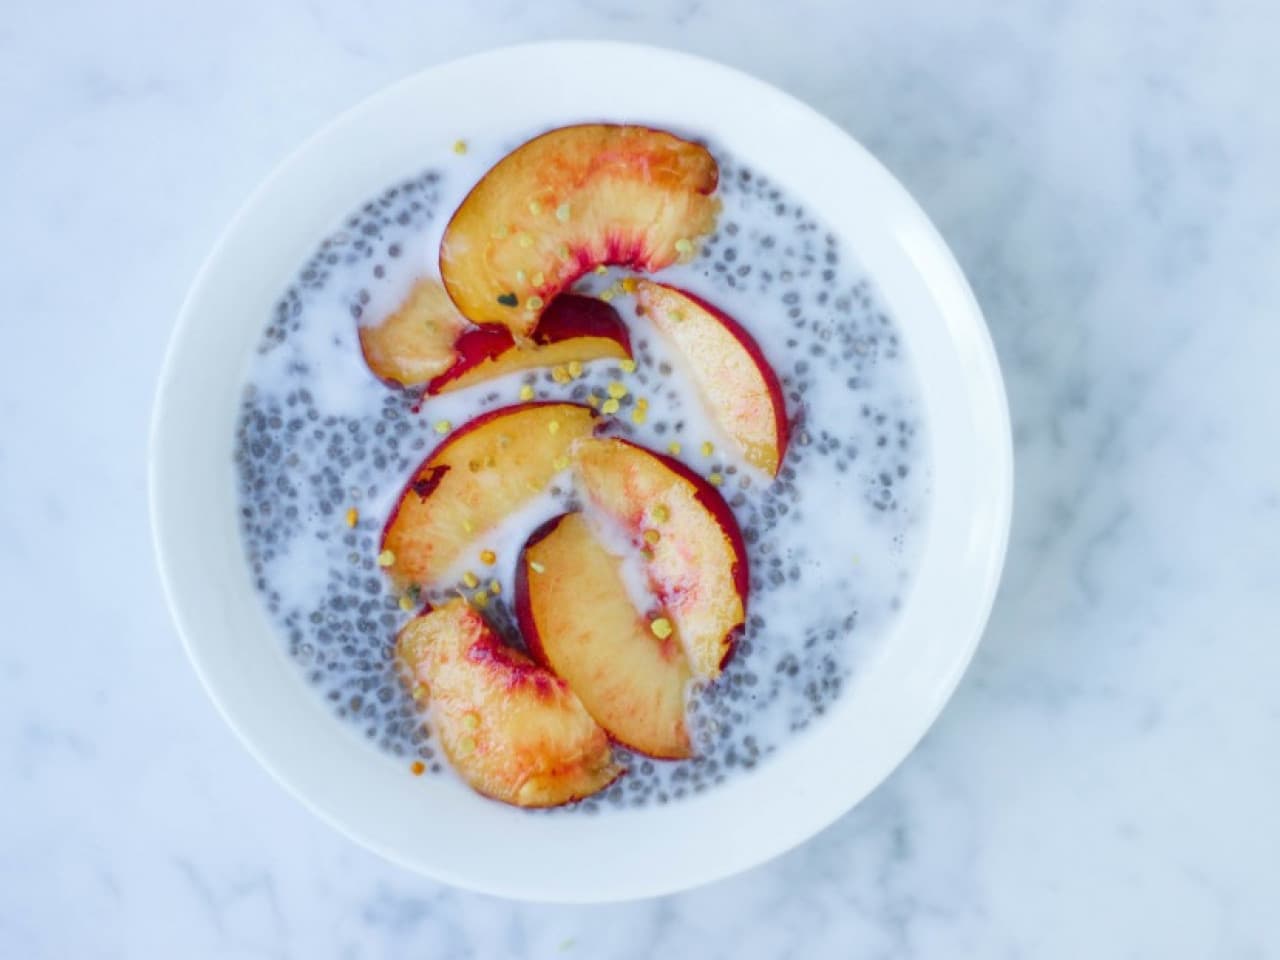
(435, 825)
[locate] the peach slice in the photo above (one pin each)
(426, 341)
(566, 202)
(513, 730)
(695, 558)
(483, 471)
(735, 380)
(578, 620)
(572, 328)
(415, 343)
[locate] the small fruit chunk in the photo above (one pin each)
(698, 565)
(513, 730)
(578, 621)
(572, 330)
(566, 202)
(415, 343)
(735, 380)
(483, 471)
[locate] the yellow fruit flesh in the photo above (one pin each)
(415, 343)
(481, 475)
(511, 729)
(692, 566)
(589, 632)
(566, 201)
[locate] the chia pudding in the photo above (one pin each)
(323, 449)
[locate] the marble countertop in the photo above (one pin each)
(1106, 782)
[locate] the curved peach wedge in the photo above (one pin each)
(513, 730)
(416, 342)
(482, 472)
(572, 328)
(578, 621)
(736, 381)
(426, 341)
(695, 558)
(570, 200)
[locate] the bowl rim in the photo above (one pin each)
(947, 285)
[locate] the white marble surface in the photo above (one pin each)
(1106, 782)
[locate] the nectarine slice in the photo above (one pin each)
(735, 380)
(481, 473)
(578, 620)
(572, 328)
(426, 341)
(513, 730)
(694, 554)
(567, 201)
(415, 343)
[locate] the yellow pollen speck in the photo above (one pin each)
(563, 251)
(524, 240)
(708, 449)
(488, 557)
(533, 303)
(553, 427)
(526, 392)
(467, 525)
(560, 463)
(673, 448)
(459, 147)
(602, 269)
(639, 415)
(628, 365)
(715, 479)
(560, 375)
(618, 390)
(471, 580)
(495, 587)
(562, 213)
(466, 747)
(628, 284)
(417, 768)
(421, 692)
(661, 627)
(480, 599)
(471, 721)
(538, 279)
(593, 400)
(661, 514)
(386, 558)
(353, 517)
(642, 403)
(536, 567)
(519, 276)
(652, 536)
(575, 368)
(406, 602)
(606, 295)
(535, 207)
(610, 406)
(684, 245)
(502, 232)
(443, 426)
